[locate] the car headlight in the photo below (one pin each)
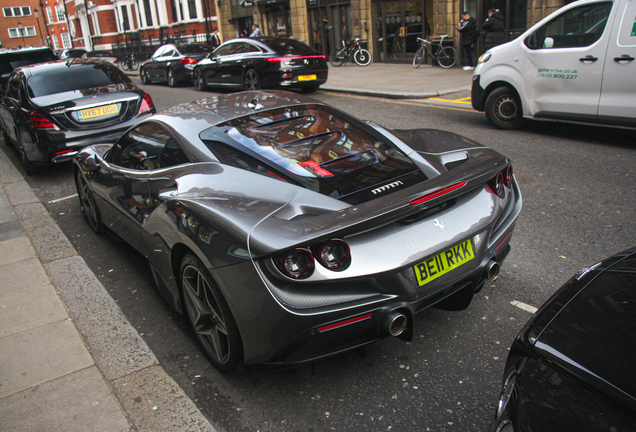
(484, 57)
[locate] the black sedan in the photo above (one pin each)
(51, 110)
(572, 367)
(173, 63)
(262, 63)
(288, 231)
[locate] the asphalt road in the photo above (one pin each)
(578, 187)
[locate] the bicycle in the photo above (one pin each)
(129, 62)
(354, 48)
(446, 57)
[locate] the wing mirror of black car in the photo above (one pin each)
(91, 165)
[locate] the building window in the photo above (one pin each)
(192, 7)
(173, 6)
(125, 23)
(66, 40)
(56, 43)
(18, 32)
(49, 14)
(59, 9)
(16, 11)
(97, 30)
(148, 13)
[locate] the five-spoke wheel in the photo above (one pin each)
(87, 204)
(251, 81)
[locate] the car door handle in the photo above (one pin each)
(588, 59)
(624, 59)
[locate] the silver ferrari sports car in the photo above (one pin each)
(287, 230)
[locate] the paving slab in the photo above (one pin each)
(78, 402)
(30, 309)
(20, 193)
(13, 276)
(15, 250)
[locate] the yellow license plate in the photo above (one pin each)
(306, 77)
(105, 110)
(439, 265)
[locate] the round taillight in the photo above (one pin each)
(296, 264)
(334, 254)
(507, 176)
(497, 184)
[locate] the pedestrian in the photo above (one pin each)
(494, 28)
(244, 33)
(215, 39)
(468, 36)
(256, 32)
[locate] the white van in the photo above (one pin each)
(575, 65)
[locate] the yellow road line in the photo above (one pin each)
(465, 100)
(400, 102)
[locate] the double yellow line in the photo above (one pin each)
(412, 103)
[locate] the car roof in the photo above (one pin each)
(39, 68)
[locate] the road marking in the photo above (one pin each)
(465, 100)
(62, 199)
(525, 307)
(400, 102)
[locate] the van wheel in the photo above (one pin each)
(503, 109)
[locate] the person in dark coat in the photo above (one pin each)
(494, 28)
(468, 36)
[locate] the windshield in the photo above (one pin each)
(318, 147)
(75, 77)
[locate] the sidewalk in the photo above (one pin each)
(70, 359)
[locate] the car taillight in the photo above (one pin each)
(41, 123)
(334, 254)
(502, 180)
(296, 263)
(146, 104)
(115, 61)
(437, 193)
(188, 60)
(284, 59)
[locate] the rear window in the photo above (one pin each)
(195, 48)
(289, 46)
(98, 54)
(14, 60)
(319, 148)
(75, 77)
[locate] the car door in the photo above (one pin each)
(617, 104)
(564, 63)
(151, 65)
(122, 182)
(225, 68)
(10, 106)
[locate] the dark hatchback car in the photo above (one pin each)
(50, 111)
(262, 63)
(173, 63)
(571, 367)
(13, 59)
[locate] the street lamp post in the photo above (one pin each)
(20, 31)
(37, 17)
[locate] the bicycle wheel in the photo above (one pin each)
(134, 64)
(419, 58)
(447, 57)
(362, 57)
(125, 65)
(338, 58)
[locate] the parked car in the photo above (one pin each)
(575, 65)
(173, 63)
(12, 59)
(571, 367)
(263, 215)
(50, 111)
(263, 62)
(102, 55)
(72, 53)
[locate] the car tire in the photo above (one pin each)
(145, 77)
(210, 316)
(200, 82)
(88, 205)
(251, 81)
(29, 168)
(503, 109)
(172, 81)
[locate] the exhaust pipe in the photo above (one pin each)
(492, 270)
(394, 324)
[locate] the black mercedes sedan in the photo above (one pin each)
(571, 367)
(51, 110)
(173, 64)
(262, 63)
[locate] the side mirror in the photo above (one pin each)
(548, 42)
(91, 165)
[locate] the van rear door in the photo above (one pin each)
(564, 63)
(618, 96)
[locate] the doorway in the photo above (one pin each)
(398, 25)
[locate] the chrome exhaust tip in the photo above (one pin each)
(492, 270)
(394, 323)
